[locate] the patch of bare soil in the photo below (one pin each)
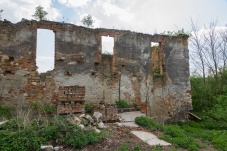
(116, 138)
(121, 135)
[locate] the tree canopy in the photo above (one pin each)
(40, 13)
(88, 21)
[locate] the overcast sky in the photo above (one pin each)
(146, 16)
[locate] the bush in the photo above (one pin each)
(122, 104)
(15, 135)
(88, 108)
(148, 123)
(6, 112)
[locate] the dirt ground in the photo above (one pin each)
(118, 136)
(121, 135)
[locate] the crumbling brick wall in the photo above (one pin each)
(156, 79)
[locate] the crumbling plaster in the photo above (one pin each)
(79, 61)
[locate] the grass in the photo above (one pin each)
(125, 147)
(171, 133)
(123, 104)
(148, 123)
(6, 112)
(20, 134)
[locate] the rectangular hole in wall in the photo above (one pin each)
(45, 50)
(107, 45)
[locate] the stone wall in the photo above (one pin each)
(156, 78)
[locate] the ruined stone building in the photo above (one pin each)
(156, 78)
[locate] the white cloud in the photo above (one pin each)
(110, 9)
(74, 3)
(15, 10)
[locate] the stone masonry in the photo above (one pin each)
(156, 78)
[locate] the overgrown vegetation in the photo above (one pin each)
(37, 127)
(40, 13)
(125, 147)
(148, 123)
(88, 108)
(176, 33)
(171, 133)
(123, 104)
(88, 21)
(207, 104)
(6, 112)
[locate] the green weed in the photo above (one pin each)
(122, 104)
(148, 123)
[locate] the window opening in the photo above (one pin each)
(154, 44)
(107, 45)
(45, 50)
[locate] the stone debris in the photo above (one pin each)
(77, 120)
(81, 126)
(101, 125)
(97, 116)
(51, 148)
(47, 148)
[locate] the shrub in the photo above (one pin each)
(17, 136)
(148, 123)
(88, 108)
(122, 104)
(6, 112)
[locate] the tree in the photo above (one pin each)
(0, 14)
(88, 21)
(209, 55)
(40, 13)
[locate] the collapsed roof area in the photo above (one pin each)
(154, 77)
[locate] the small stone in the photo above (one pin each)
(34, 83)
(58, 148)
(82, 116)
(77, 120)
(89, 118)
(101, 125)
(119, 124)
(97, 130)
(97, 116)
(81, 126)
(47, 148)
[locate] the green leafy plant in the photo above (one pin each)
(40, 13)
(176, 33)
(14, 136)
(88, 108)
(88, 21)
(136, 148)
(148, 123)
(124, 147)
(156, 72)
(6, 112)
(157, 148)
(122, 104)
